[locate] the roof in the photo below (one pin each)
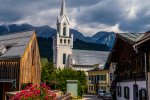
(86, 57)
(145, 37)
(133, 37)
(97, 69)
(17, 43)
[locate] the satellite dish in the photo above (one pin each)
(2, 49)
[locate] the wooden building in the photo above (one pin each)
(130, 67)
(142, 47)
(19, 61)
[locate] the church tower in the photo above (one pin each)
(63, 40)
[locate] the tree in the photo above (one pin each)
(47, 69)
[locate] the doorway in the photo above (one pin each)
(135, 92)
(1, 91)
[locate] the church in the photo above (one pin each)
(63, 53)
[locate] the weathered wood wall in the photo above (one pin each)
(30, 68)
(9, 69)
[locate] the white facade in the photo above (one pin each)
(132, 94)
(63, 41)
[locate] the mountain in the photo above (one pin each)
(45, 31)
(12, 28)
(106, 38)
(80, 36)
(81, 45)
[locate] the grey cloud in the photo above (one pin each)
(79, 3)
(139, 24)
(90, 13)
(106, 12)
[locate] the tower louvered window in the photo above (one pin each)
(64, 29)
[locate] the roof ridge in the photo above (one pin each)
(11, 33)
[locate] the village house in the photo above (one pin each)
(19, 61)
(98, 79)
(142, 47)
(101, 78)
(130, 67)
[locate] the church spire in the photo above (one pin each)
(63, 8)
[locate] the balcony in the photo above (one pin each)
(103, 81)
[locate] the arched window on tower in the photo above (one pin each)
(64, 30)
(64, 58)
(68, 41)
(60, 40)
(64, 40)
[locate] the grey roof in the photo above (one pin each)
(131, 36)
(17, 42)
(86, 57)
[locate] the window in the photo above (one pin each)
(64, 30)
(65, 41)
(102, 77)
(119, 91)
(64, 58)
(142, 94)
(89, 87)
(68, 41)
(60, 40)
(126, 92)
(89, 77)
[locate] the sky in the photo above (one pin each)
(87, 16)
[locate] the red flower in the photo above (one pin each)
(35, 92)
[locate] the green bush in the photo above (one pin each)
(59, 76)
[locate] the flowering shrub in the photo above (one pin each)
(34, 92)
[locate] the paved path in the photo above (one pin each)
(91, 97)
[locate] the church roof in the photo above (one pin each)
(15, 44)
(86, 57)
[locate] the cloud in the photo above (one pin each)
(89, 16)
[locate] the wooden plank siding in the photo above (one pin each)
(9, 69)
(30, 66)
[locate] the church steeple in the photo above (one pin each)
(63, 25)
(63, 40)
(63, 8)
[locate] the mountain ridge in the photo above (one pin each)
(45, 31)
